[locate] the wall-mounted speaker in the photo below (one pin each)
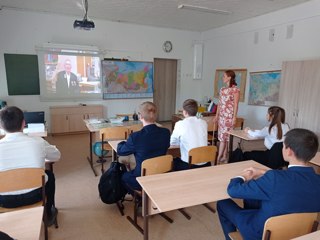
(197, 60)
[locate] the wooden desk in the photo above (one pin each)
(311, 236)
(94, 126)
(32, 134)
(22, 224)
(240, 134)
(188, 188)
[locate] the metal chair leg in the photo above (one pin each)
(120, 207)
(209, 207)
(184, 213)
(166, 217)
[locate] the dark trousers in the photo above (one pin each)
(229, 211)
(130, 182)
(13, 201)
(271, 158)
(179, 165)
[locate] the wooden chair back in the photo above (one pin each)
(239, 123)
(114, 133)
(135, 128)
(290, 226)
(286, 226)
(203, 154)
(157, 165)
(20, 179)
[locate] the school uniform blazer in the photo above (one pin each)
(280, 192)
(151, 141)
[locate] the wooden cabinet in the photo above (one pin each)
(69, 119)
(299, 90)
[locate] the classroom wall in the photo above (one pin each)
(233, 46)
(21, 31)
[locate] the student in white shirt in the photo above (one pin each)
(18, 150)
(191, 132)
(273, 137)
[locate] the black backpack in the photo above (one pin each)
(110, 187)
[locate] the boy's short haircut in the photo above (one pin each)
(148, 111)
(190, 106)
(11, 119)
(304, 143)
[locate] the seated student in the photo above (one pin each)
(191, 132)
(18, 150)
(151, 141)
(272, 134)
(274, 192)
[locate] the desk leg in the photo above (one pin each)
(91, 157)
(230, 146)
(145, 213)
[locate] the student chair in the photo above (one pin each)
(212, 131)
(135, 128)
(150, 166)
(102, 148)
(239, 124)
(25, 178)
(203, 155)
(286, 226)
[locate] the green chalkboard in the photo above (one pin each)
(22, 74)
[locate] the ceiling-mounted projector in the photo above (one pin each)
(83, 24)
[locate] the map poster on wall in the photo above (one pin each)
(127, 79)
(241, 77)
(264, 88)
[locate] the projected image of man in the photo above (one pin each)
(67, 82)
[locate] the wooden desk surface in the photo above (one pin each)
(242, 134)
(316, 160)
(22, 224)
(114, 145)
(32, 134)
(96, 126)
(311, 236)
(188, 188)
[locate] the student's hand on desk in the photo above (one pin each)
(255, 172)
(246, 130)
(247, 174)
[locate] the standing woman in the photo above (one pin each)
(227, 111)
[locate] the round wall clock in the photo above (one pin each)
(167, 46)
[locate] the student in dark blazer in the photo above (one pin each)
(274, 192)
(151, 141)
(67, 81)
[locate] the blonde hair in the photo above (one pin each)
(148, 111)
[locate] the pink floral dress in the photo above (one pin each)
(225, 118)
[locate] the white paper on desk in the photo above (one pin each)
(93, 121)
(35, 127)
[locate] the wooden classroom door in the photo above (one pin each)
(165, 81)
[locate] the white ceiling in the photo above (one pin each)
(157, 13)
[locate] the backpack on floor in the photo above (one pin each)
(110, 187)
